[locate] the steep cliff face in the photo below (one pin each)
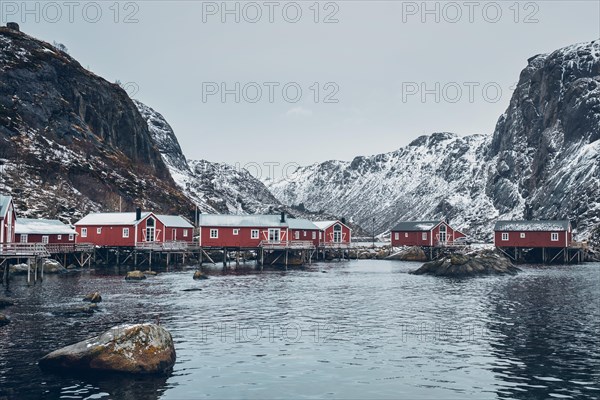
(541, 162)
(71, 142)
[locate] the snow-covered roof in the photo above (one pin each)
(299, 223)
(416, 226)
(126, 218)
(4, 203)
(322, 225)
(174, 221)
(532, 226)
(242, 220)
(42, 227)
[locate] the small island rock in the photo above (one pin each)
(478, 263)
(135, 349)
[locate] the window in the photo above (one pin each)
(304, 233)
(99, 231)
(24, 238)
(554, 236)
(254, 234)
(45, 239)
(71, 237)
(83, 232)
(125, 232)
(58, 237)
(236, 232)
(522, 236)
(397, 236)
(314, 235)
(297, 235)
(505, 236)
(424, 236)
(405, 234)
(320, 235)
(185, 232)
(214, 233)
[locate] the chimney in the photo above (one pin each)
(282, 217)
(14, 26)
(343, 221)
(138, 214)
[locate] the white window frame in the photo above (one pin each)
(304, 233)
(71, 237)
(314, 235)
(98, 231)
(58, 237)
(505, 236)
(397, 236)
(125, 233)
(554, 236)
(320, 235)
(296, 235)
(424, 236)
(214, 233)
(45, 239)
(522, 235)
(236, 232)
(83, 232)
(185, 233)
(254, 234)
(405, 234)
(24, 238)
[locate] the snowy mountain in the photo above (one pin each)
(71, 142)
(213, 187)
(541, 162)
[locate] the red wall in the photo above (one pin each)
(328, 234)
(178, 236)
(532, 239)
(307, 237)
(34, 238)
(243, 239)
(416, 239)
(113, 235)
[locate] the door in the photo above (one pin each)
(443, 235)
(150, 230)
(274, 235)
(337, 234)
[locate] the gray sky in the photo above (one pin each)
(375, 61)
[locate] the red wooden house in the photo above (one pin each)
(131, 229)
(424, 234)
(8, 218)
(533, 234)
(43, 231)
(334, 233)
(248, 231)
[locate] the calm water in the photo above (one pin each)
(364, 329)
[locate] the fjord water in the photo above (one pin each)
(359, 329)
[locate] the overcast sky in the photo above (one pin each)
(362, 74)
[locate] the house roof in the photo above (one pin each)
(242, 220)
(416, 226)
(174, 221)
(126, 218)
(299, 223)
(532, 226)
(322, 225)
(4, 203)
(42, 227)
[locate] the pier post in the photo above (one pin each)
(29, 270)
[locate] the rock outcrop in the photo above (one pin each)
(135, 276)
(484, 262)
(409, 254)
(4, 320)
(135, 349)
(198, 275)
(94, 297)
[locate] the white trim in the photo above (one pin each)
(23, 236)
(252, 234)
(424, 235)
(58, 237)
(125, 233)
(216, 233)
(236, 231)
(45, 239)
(554, 235)
(522, 235)
(71, 237)
(83, 232)
(505, 237)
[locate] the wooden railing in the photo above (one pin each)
(66, 248)
(291, 244)
(335, 245)
(23, 249)
(163, 246)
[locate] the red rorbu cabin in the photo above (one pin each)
(334, 233)
(533, 234)
(249, 231)
(130, 229)
(46, 231)
(8, 217)
(424, 234)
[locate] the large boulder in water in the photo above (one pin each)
(479, 263)
(409, 254)
(135, 276)
(53, 267)
(94, 297)
(136, 349)
(198, 275)
(4, 320)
